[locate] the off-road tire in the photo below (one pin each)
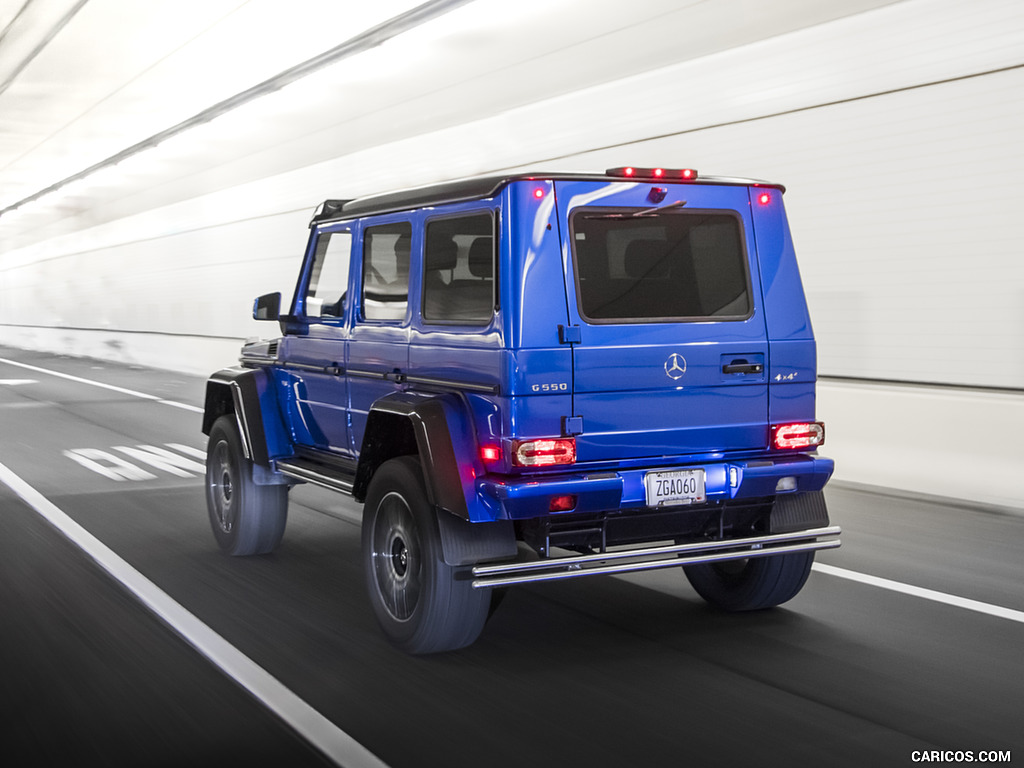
(423, 604)
(247, 519)
(752, 584)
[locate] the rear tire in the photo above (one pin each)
(247, 519)
(752, 584)
(423, 604)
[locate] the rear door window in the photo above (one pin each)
(636, 266)
(458, 274)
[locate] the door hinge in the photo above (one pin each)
(569, 334)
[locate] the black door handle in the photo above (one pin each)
(742, 366)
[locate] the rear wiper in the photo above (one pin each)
(646, 212)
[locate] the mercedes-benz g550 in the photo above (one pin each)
(531, 377)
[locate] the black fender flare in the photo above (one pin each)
(438, 427)
(251, 396)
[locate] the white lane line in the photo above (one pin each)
(111, 387)
(188, 450)
(927, 594)
(310, 724)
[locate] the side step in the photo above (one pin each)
(331, 474)
(651, 558)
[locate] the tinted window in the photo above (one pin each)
(328, 279)
(680, 265)
(458, 273)
(386, 253)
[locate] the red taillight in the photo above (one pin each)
(764, 198)
(490, 453)
(544, 453)
(803, 435)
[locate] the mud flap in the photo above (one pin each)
(466, 543)
(798, 512)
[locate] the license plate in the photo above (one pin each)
(679, 486)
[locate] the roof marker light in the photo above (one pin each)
(538, 193)
(676, 174)
(764, 198)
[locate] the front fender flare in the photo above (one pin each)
(251, 396)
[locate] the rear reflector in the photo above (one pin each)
(490, 453)
(544, 453)
(803, 435)
(563, 503)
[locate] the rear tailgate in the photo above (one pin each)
(671, 355)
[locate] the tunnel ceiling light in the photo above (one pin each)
(363, 42)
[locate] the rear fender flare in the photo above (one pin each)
(439, 428)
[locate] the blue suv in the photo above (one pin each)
(533, 377)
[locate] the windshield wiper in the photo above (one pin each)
(646, 212)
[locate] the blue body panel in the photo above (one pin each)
(639, 395)
(793, 369)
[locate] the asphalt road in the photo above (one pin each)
(604, 671)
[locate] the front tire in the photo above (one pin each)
(751, 584)
(247, 519)
(423, 604)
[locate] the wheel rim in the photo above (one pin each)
(396, 557)
(222, 487)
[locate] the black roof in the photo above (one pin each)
(479, 188)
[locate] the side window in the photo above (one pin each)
(386, 252)
(328, 279)
(458, 272)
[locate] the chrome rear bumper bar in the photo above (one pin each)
(652, 558)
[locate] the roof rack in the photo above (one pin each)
(328, 209)
(474, 188)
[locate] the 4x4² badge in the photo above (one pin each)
(675, 366)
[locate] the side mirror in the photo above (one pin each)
(267, 307)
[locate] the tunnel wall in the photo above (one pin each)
(896, 132)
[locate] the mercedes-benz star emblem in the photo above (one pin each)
(675, 366)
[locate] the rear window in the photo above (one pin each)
(635, 266)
